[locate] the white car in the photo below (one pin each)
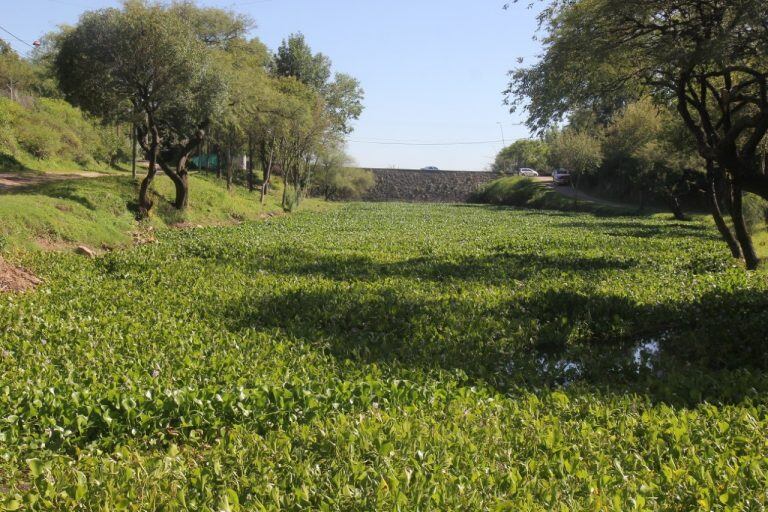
(561, 177)
(528, 173)
(430, 168)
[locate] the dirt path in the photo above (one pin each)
(569, 192)
(10, 180)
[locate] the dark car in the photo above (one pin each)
(561, 177)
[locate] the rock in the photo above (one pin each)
(85, 251)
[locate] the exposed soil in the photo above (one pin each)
(14, 180)
(15, 279)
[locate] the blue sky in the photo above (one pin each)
(433, 70)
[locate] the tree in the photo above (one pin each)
(15, 73)
(343, 95)
(647, 147)
(337, 179)
(294, 58)
(708, 58)
(145, 64)
(578, 151)
(521, 153)
(243, 67)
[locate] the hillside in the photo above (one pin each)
(101, 212)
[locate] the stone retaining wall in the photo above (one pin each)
(411, 185)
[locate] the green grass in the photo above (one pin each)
(387, 357)
(528, 193)
(101, 212)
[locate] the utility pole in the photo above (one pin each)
(503, 141)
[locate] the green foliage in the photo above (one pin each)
(39, 140)
(527, 193)
(384, 357)
(343, 95)
(16, 74)
(755, 212)
(579, 151)
(343, 182)
(294, 58)
(53, 130)
(522, 153)
(647, 151)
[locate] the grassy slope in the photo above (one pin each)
(384, 357)
(100, 212)
(22, 162)
(528, 193)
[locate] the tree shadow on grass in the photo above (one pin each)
(715, 349)
(500, 266)
(61, 189)
(9, 163)
(644, 230)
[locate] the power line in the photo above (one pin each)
(404, 143)
(15, 36)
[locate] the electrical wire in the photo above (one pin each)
(15, 36)
(404, 143)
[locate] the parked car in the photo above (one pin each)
(528, 173)
(561, 177)
(430, 168)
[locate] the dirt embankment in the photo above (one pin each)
(15, 279)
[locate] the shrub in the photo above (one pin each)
(50, 128)
(344, 183)
(39, 141)
(755, 212)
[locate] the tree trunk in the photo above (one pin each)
(134, 136)
(251, 177)
(674, 205)
(267, 175)
(217, 148)
(181, 183)
(229, 166)
(145, 203)
(740, 226)
(713, 198)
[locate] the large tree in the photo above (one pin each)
(521, 153)
(343, 95)
(579, 151)
(145, 63)
(707, 57)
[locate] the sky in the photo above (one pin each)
(433, 70)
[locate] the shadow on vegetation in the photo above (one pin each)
(10, 163)
(62, 189)
(497, 268)
(675, 229)
(602, 212)
(715, 349)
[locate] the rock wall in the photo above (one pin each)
(425, 186)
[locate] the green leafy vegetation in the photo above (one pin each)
(392, 357)
(50, 133)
